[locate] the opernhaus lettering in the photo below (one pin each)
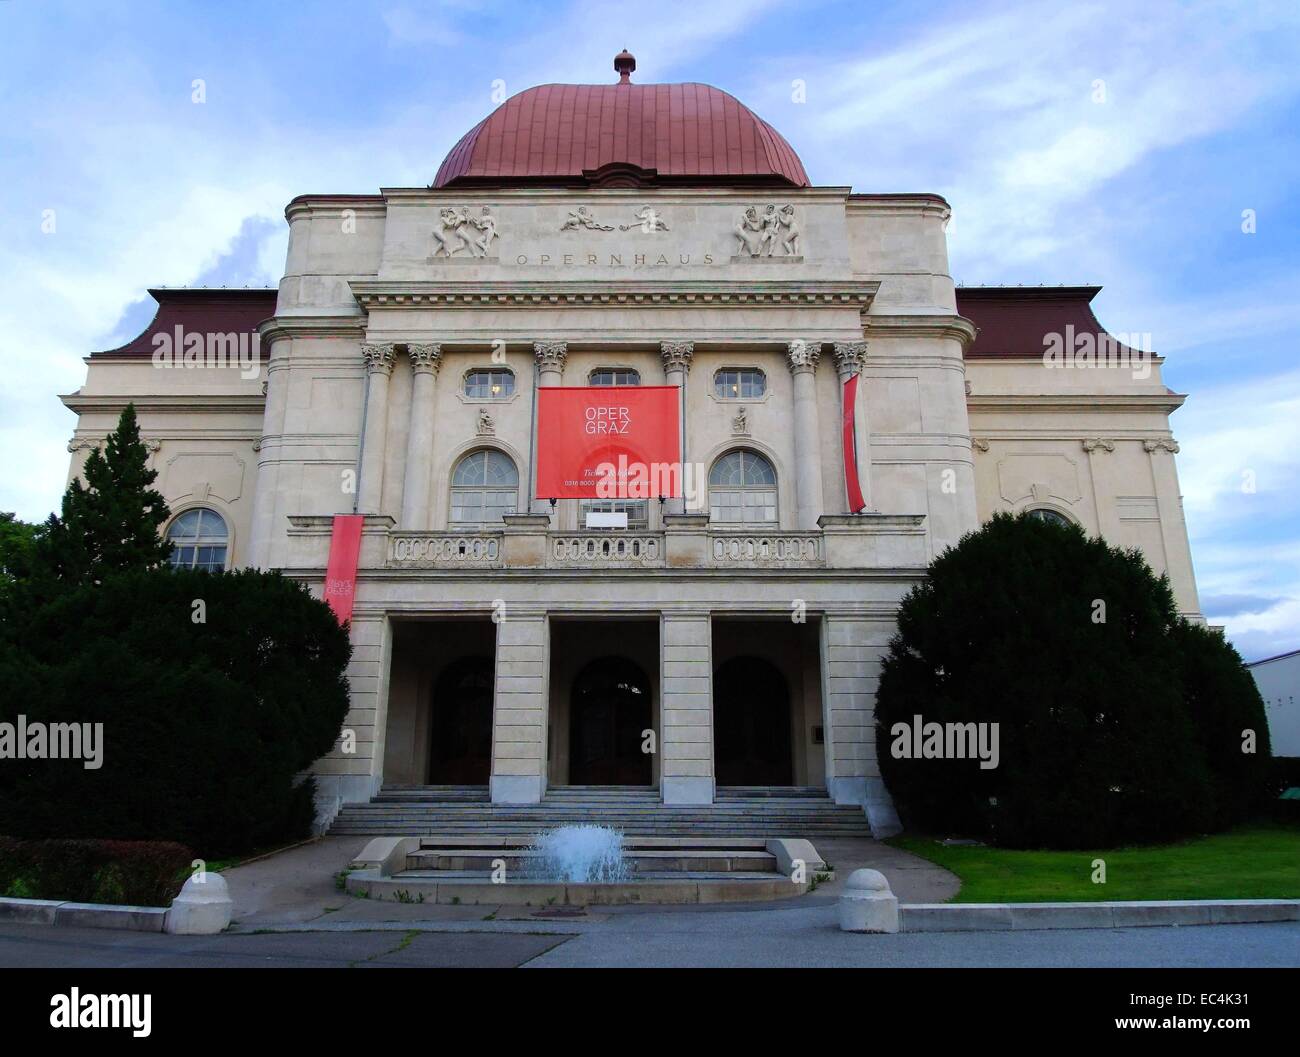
(76, 1010)
(53, 741)
(615, 260)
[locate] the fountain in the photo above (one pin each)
(582, 865)
(582, 854)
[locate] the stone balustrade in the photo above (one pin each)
(444, 550)
(865, 541)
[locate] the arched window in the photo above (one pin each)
(199, 540)
(484, 486)
(731, 383)
(614, 376)
(489, 384)
(742, 490)
(1054, 517)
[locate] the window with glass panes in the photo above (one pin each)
(489, 384)
(484, 486)
(199, 540)
(614, 376)
(742, 490)
(739, 383)
(637, 511)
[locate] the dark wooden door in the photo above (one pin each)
(608, 713)
(751, 724)
(460, 752)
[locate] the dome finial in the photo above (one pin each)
(624, 63)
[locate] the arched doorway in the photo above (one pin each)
(609, 709)
(751, 724)
(460, 752)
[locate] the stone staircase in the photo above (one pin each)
(738, 811)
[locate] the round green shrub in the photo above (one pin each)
(1066, 643)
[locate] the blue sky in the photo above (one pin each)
(991, 104)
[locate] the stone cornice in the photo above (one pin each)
(372, 293)
(660, 194)
(1078, 403)
(231, 403)
(312, 327)
(921, 325)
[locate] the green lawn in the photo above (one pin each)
(1259, 861)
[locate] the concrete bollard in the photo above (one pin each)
(203, 907)
(867, 904)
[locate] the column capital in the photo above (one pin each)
(551, 354)
(850, 357)
(803, 356)
(677, 355)
(379, 356)
(426, 356)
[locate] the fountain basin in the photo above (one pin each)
(660, 870)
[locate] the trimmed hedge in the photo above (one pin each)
(133, 873)
(1100, 744)
(207, 724)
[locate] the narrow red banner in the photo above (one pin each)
(609, 442)
(341, 573)
(852, 486)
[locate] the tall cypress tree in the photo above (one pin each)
(109, 524)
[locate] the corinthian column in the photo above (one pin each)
(677, 356)
(379, 368)
(550, 357)
(420, 438)
(803, 357)
(850, 358)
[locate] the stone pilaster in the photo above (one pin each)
(803, 357)
(550, 357)
(686, 724)
(850, 359)
(519, 711)
(677, 356)
(853, 650)
(425, 359)
(379, 357)
(268, 456)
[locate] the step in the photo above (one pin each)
(641, 861)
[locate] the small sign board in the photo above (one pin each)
(605, 519)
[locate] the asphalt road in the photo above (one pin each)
(796, 938)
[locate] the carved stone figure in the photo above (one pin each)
(647, 220)
(740, 424)
(764, 235)
(771, 231)
(582, 218)
(455, 233)
(748, 231)
(487, 225)
(790, 236)
(486, 426)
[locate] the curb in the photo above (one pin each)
(83, 915)
(1015, 917)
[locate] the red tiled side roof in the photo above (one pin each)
(682, 133)
(198, 311)
(1014, 321)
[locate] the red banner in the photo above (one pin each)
(609, 442)
(341, 574)
(852, 486)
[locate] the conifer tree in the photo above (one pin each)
(110, 524)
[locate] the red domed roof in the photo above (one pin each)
(622, 135)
